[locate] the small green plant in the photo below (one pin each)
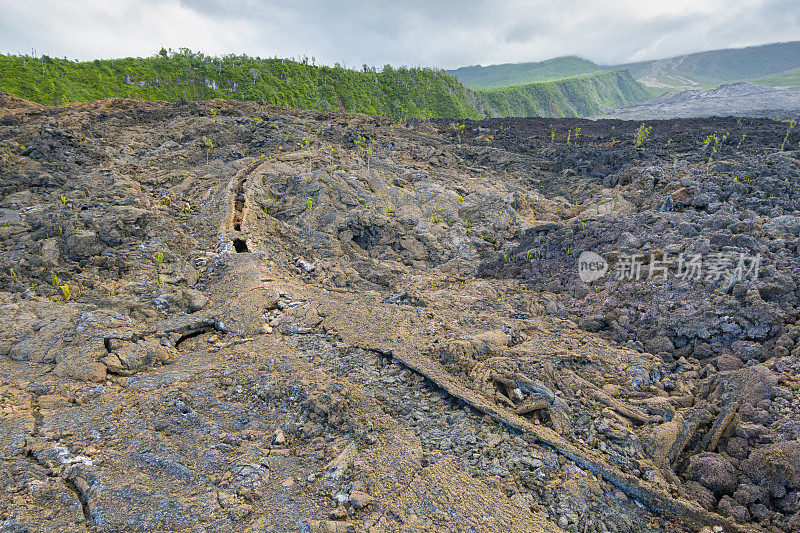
(309, 202)
(744, 135)
(60, 231)
(792, 123)
(461, 198)
(63, 199)
(65, 292)
(209, 145)
(528, 257)
(56, 282)
(12, 273)
(641, 134)
(159, 280)
(389, 210)
(715, 142)
(160, 257)
(459, 129)
(468, 226)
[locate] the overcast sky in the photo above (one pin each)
(446, 33)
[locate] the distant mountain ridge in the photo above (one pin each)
(707, 69)
(477, 77)
(770, 64)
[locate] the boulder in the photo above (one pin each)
(51, 251)
(700, 494)
(775, 467)
(83, 244)
(713, 471)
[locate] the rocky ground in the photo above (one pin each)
(736, 99)
(222, 316)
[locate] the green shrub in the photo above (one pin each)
(396, 92)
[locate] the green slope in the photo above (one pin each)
(789, 78)
(398, 92)
(712, 68)
(582, 96)
(494, 76)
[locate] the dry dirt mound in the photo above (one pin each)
(12, 104)
(210, 311)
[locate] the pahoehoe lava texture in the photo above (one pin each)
(331, 322)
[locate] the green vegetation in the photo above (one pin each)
(582, 96)
(641, 134)
(713, 141)
(560, 87)
(510, 74)
(788, 78)
(397, 92)
(208, 145)
(792, 123)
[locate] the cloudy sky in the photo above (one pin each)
(444, 33)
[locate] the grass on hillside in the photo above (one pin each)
(581, 96)
(789, 78)
(512, 74)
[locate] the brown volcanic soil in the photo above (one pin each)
(327, 322)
